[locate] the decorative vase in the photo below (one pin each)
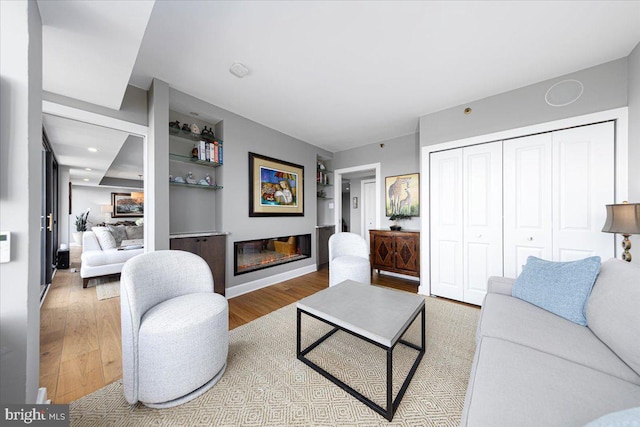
(77, 237)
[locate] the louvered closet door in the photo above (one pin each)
(584, 176)
(527, 176)
(482, 216)
(446, 224)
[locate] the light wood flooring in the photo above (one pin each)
(80, 350)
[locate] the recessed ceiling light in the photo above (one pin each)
(86, 179)
(92, 149)
(239, 70)
(88, 169)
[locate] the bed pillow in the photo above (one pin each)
(119, 233)
(559, 287)
(105, 238)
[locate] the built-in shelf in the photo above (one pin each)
(190, 136)
(186, 159)
(325, 198)
(203, 187)
(324, 185)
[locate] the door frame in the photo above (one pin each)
(363, 225)
(619, 115)
(72, 113)
(337, 189)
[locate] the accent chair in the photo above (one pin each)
(348, 259)
(175, 329)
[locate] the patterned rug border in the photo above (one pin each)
(265, 385)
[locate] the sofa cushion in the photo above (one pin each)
(104, 236)
(111, 256)
(559, 287)
(135, 232)
(514, 385)
(517, 321)
(613, 309)
(119, 233)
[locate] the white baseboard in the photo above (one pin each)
(402, 276)
(41, 398)
(238, 290)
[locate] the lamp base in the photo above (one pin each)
(626, 245)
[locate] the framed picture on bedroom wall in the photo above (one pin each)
(125, 206)
(402, 195)
(276, 187)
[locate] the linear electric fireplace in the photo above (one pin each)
(252, 255)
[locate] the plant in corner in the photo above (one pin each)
(397, 217)
(81, 226)
(81, 221)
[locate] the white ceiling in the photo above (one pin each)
(118, 154)
(334, 74)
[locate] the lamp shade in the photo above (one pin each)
(623, 218)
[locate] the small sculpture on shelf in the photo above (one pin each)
(170, 178)
(186, 127)
(194, 151)
(208, 133)
(195, 129)
(174, 125)
(189, 178)
(209, 180)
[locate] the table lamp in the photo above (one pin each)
(106, 210)
(624, 219)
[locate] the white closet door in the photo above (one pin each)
(527, 200)
(482, 234)
(446, 224)
(584, 176)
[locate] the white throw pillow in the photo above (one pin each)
(105, 238)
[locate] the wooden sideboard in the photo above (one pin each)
(395, 251)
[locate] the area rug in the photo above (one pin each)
(108, 290)
(265, 385)
(106, 287)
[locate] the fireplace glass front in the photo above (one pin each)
(252, 255)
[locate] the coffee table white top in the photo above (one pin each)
(377, 313)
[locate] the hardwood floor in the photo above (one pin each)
(80, 350)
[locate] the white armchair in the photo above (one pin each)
(175, 329)
(348, 259)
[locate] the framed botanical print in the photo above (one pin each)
(276, 187)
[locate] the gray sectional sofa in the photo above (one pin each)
(534, 368)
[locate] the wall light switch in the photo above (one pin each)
(5, 246)
(330, 205)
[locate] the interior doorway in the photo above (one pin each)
(355, 175)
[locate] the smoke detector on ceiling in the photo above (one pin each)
(239, 70)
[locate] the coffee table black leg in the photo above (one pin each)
(390, 384)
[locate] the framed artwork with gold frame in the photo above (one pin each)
(276, 187)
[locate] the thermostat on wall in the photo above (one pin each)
(5, 246)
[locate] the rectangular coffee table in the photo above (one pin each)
(377, 315)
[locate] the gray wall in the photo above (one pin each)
(242, 136)
(634, 125)
(610, 85)
(20, 194)
(605, 87)
(399, 156)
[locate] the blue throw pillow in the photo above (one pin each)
(559, 287)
